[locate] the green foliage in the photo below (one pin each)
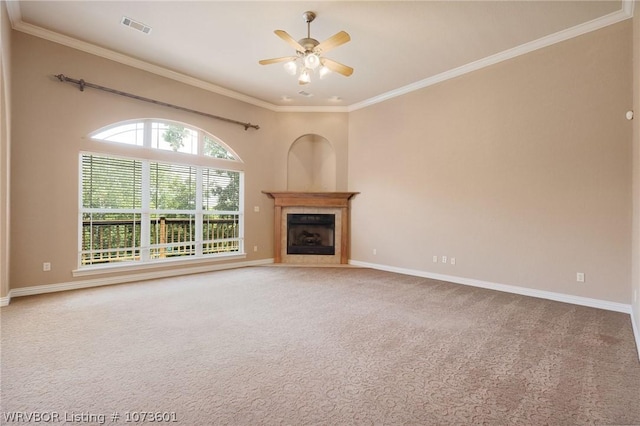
(227, 195)
(174, 135)
(172, 188)
(214, 149)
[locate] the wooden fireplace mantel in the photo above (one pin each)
(311, 199)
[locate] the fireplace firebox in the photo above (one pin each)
(311, 234)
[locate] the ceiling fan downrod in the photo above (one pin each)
(308, 18)
(308, 43)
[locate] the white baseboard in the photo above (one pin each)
(635, 320)
(98, 282)
(558, 297)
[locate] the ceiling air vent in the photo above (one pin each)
(136, 25)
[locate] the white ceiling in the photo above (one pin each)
(395, 46)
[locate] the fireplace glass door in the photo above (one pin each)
(311, 234)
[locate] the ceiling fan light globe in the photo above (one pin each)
(311, 60)
(304, 77)
(324, 71)
(290, 67)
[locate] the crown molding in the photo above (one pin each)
(624, 13)
(14, 12)
(161, 71)
(15, 16)
(311, 108)
(135, 63)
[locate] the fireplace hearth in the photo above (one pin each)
(312, 234)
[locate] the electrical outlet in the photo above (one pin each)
(435, 259)
(452, 260)
(375, 251)
(255, 248)
(46, 266)
(256, 209)
(444, 259)
(580, 277)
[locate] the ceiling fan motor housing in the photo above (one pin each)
(308, 43)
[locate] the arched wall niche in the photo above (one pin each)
(311, 165)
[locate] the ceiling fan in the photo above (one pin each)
(309, 54)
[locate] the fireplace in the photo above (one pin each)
(311, 227)
(311, 234)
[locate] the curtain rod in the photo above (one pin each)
(82, 84)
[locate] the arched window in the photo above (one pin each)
(166, 135)
(140, 210)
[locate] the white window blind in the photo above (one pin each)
(173, 187)
(137, 210)
(111, 183)
(111, 209)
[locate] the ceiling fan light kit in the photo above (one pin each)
(309, 54)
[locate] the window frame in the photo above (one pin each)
(147, 139)
(149, 155)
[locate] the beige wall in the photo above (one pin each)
(51, 120)
(521, 171)
(635, 252)
(334, 127)
(311, 165)
(5, 143)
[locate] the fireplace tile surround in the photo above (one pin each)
(295, 202)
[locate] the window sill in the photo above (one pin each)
(158, 264)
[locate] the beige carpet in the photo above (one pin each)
(303, 346)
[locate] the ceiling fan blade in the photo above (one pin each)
(337, 67)
(286, 37)
(276, 60)
(332, 42)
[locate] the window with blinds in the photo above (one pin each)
(139, 210)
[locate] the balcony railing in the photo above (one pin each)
(105, 241)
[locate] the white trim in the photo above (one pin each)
(541, 294)
(316, 108)
(15, 15)
(136, 63)
(152, 264)
(14, 11)
(635, 319)
(98, 282)
(628, 7)
(624, 13)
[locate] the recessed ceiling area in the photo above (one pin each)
(395, 45)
